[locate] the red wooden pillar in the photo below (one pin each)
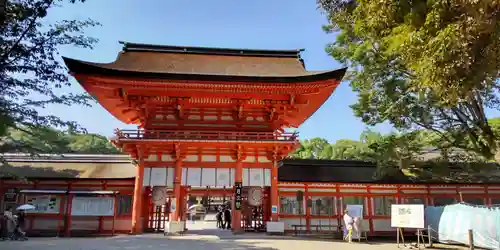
(274, 191)
(238, 177)
(146, 208)
(101, 218)
(137, 203)
(176, 215)
(308, 209)
(68, 215)
(370, 208)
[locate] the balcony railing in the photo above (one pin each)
(204, 135)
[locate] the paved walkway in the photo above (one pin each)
(186, 242)
(201, 236)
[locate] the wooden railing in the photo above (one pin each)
(205, 135)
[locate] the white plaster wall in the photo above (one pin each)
(382, 225)
(158, 177)
(293, 221)
(84, 223)
(226, 158)
(263, 159)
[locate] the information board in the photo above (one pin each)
(355, 210)
(407, 216)
(93, 206)
(238, 188)
(44, 204)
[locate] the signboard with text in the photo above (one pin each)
(238, 188)
(355, 210)
(407, 216)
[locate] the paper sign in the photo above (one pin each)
(274, 209)
(407, 216)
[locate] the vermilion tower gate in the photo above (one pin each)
(205, 116)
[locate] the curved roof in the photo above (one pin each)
(205, 64)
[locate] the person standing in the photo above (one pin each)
(218, 216)
(3, 227)
(227, 218)
(348, 221)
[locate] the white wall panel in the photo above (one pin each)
(256, 177)
(158, 177)
(170, 177)
(208, 177)
(147, 177)
(184, 176)
(267, 177)
(246, 177)
(223, 177)
(194, 177)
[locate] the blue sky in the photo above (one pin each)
(258, 24)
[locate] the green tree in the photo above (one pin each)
(348, 150)
(316, 148)
(58, 142)
(30, 69)
(429, 65)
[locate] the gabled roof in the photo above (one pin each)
(205, 64)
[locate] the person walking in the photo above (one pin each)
(348, 222)
(10, 222)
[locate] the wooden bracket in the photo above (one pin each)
(239, 154)
(177, 152)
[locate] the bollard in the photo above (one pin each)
(471, 239)
(429, 234)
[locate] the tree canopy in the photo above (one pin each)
(30, 68)
(31, 71)
(57, 142)
(430, 65)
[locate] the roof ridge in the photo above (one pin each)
(143, 47)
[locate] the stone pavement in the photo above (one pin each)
(187, 242)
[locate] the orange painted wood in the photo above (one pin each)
(236, 214)
(137, 200)
(177, 191)
(274, 190)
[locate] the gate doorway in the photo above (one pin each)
(202, 205)
(255, 209)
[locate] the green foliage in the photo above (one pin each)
(31, 71)
(58, 142)
(429, 65)
(392, 152)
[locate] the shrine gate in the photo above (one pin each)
(209, 120)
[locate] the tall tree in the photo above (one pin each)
(31, 71)
(430, 65)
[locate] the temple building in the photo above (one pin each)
(211, 131)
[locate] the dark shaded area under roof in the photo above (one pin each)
(340, 171)
(333, 171)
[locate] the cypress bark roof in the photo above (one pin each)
(199, 63)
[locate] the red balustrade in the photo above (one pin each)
(205, 135)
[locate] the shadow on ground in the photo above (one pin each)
(129, 243)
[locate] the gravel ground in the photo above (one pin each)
(197, 238)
